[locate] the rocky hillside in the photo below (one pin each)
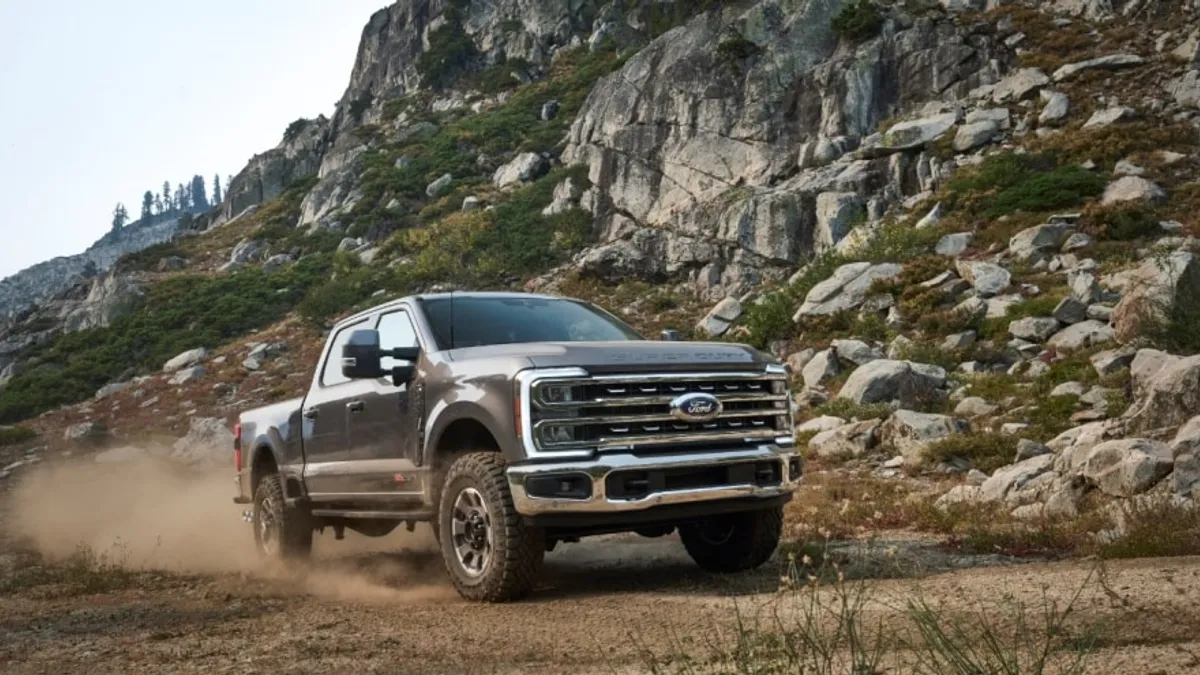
(968, 230)
(48, 279)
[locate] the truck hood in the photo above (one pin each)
(631, 356)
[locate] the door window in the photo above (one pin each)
(331, 373)
(395, 330)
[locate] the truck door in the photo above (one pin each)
(383, 435)
(327, 409)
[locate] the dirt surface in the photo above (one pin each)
(197, 600)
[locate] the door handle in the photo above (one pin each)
(310, 413)
(356, 406)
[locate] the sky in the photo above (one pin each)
(101, 101)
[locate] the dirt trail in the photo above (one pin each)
(384, 606)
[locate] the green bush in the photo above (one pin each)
(859, 20)
(986, 451)
(15, 435)
(736, 49)
(147, 259)
(1006, 183)
(1124, 225)
(294, 129)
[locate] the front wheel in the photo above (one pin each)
(735, 542)
(281, 532)
(491, 555)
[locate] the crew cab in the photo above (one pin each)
(512, 422)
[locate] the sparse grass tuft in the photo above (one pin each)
(849, 410)
(1155, 527)
(85, 572)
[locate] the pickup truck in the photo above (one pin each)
(511, 422)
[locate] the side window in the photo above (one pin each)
(395, 330)
(331, 373)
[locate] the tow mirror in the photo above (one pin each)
(361, 356)
(362, 359)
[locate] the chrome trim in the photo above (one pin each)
(599, 469)
(528, 389)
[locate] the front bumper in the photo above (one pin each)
(598, 470)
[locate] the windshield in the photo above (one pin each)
(482, 321)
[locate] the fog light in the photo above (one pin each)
(559, 486)
(558, 434)
(795, 468)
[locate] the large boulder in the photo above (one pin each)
(1128, 467)
(1152, 291)
(846, 289)
(987, 278)
(1020, 85)
(886, 380)
(721, 317)
(110, 297)
(911, 433)
(850, 440)
(1014, 478)
(1132, 189)
(187, 359)
(524, 168)
(1186, 451)
(1082, 336)
(1039, 242)
(1110, 62)
(1167, 390)
(1186, 90)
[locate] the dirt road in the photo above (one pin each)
(383, 606)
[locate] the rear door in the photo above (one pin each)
(327, 410)
(383, 436)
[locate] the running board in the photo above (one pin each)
(374, 515)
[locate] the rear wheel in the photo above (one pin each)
(735, 542)
(280, 532)
(491, 555)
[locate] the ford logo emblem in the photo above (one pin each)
(695, 407)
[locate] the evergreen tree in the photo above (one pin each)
(159, 208)
(147, 206)
(166, 195)
(216, 198)
(181, 200)
(199, 194)
(120, 217)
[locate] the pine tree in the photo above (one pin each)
(159, 208)
(147, 206)
(181, 200)
(199, 194)
(120, 217)
(166, 195)
(216, 198)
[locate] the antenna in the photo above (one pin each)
(452, 343)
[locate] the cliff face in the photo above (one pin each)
(724, 166)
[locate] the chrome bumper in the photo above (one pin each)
(599, 469)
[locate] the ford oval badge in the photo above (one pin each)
(695, 407)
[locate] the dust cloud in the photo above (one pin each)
(153, 514)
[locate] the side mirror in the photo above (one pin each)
(671, 335)
(362, 359)
(361, 356)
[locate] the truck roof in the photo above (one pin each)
(436, 296)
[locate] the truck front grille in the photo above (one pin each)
(635, 412)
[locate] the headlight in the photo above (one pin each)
(557, 393)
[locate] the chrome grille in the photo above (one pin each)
(634, 411)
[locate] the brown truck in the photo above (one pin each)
(513, 422)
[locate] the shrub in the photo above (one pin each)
(859, 20)
(1124, 225)
(1006, 183)
(848, 410)
(294, 129)
(736, 49)
(147, 259)
(986, 451)
(361, 105)
(15, 435)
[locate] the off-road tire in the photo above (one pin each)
(517, 550)
(295, 530)
(747, 540)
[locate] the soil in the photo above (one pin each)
(199, 601)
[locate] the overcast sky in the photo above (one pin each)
(104, 100)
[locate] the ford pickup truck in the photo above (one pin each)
(513, 422)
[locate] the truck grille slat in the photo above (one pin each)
(635, 412)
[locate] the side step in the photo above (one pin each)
(375, 515)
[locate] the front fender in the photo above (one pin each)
(443, 415)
